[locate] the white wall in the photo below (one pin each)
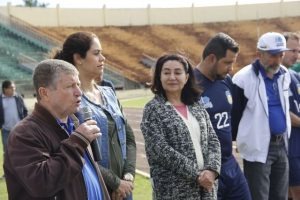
(214, 14)
(171, 16)
(3, 10)
(79, 17)
(126, 17)
(150, 16)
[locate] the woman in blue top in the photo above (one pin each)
(118, 148)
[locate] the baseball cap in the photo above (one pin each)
(272, 42)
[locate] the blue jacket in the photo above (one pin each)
(117, 142)
(21, 107)
(250, 115)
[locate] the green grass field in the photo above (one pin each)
(142, 188)
(135, 102)
(3, 191)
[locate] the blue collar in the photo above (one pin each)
(69, 126)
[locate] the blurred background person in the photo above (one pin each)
(12, 110)
(293, 44)
(212, 75)
(296, 66)
(47, 152)
(261, 120)
(118, 148)
(182, 148)
(289, 59)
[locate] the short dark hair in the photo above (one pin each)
(79, 42)
(190, 92)
(6, 84)
(219, 44)
(47, 72)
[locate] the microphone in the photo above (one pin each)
(96, 143)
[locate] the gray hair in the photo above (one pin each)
(47, 72)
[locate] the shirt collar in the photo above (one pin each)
(4, 96)
(69, 126)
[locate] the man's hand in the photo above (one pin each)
(125, 189)
(89, 130)
(206, 179)
(116, 196)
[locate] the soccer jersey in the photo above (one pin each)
(217, 100)
(294, 147)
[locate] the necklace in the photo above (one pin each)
(94, 96)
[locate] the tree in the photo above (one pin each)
(34, 3)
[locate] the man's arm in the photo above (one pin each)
(238, 106)
(22, 109)
(294, 99)
(42, 169)
(295, 120)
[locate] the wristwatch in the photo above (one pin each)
(128, 177)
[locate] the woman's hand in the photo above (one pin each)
(206, 179)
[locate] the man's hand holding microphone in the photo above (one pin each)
(89, 130)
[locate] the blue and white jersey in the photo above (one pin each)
(294, 147)
(217, 100)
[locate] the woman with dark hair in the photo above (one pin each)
(182, 148)
(118, 148)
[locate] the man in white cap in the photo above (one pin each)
(261, 120)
